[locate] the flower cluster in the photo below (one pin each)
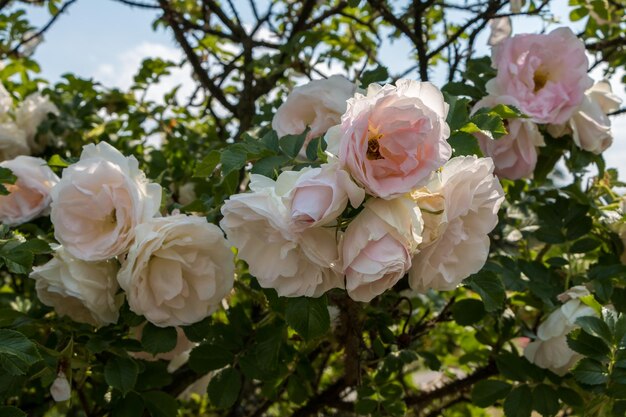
(388, 202)
(18, 127)
(545, 77)
(175, 270)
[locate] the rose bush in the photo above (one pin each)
(311, 233)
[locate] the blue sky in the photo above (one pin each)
(107, 40)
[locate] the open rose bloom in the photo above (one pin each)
(392, 138)
(177, 271)
(99, 201)
(545, 73)
(29, 197)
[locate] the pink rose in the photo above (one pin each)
(318, 105)
(394, 137)
(514, 155)
(320, 195)
(29, 197)
(546, 74)
(378, 246)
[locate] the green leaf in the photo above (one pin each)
(458, 114)
(595, 327)
(57, 161)
(269, 166)
(292, 144)
(224, 387)
(6, 177)
(490, 288)
(208, 164)
(160, 404)
(486, 393)
(197, 332)
(545, 400)
(208, 357)
(131, 405)
(121, 373)
(17, 352)
(569, 397)
(578, 14)
(9, 411)
(467, 312)
(585, 344)
(590, 372)
(379, 74)
(586, 244)
(308, 316)
(233, 158)
(518, 403)
(158, 339)
(464, 144)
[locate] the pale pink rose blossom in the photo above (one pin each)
(590, 126)
(394, 137)
(293, 263)
(472, 198)
(29, 197)
(177, 271)
(84, 291)
(514, 154)
(317, 105)
(99, 201)
(320, 195)
(545, 73)
(378, 246)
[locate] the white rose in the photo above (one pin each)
(378, 246)
(99, 201)
(319, 195)
(472, 198)
(29, 197)
(550, 349)
(177, 271)
(12, 141)
(318, 105)
(34, 110)
(294, 264)
(60, 388)
(590, 126)
(83, 291)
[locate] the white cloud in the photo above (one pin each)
(120, 73)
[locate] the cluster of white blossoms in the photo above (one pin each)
(175, 270)
(18, 126)
(389, 201)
